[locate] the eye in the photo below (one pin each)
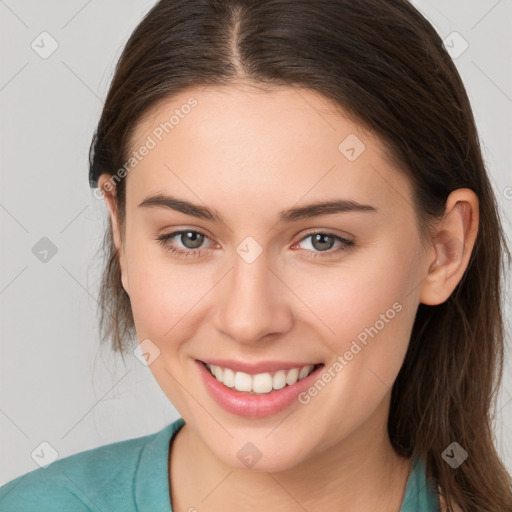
(323, 242)
(191, 240)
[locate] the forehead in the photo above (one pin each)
(234, 143)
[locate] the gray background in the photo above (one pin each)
(57, 384)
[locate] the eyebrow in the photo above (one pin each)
(292, 214)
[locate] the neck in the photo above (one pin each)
(361, 472)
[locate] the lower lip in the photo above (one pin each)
(245, 404)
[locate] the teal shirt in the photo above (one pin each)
(132, 476)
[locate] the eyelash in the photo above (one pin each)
(163, 240)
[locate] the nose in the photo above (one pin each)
(253, 303)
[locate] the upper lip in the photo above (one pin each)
(254, 368)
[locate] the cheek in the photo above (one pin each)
(366, 313)
(165, 297)
(369, 301)
(162, 300)
(166, 303)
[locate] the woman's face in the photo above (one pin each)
(270, 282)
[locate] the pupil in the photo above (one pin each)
(319, 238)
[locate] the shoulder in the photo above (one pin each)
(96, 479)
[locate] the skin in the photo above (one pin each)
(266, 151)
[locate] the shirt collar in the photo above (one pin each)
(151, 486)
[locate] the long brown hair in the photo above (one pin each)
(384, 63)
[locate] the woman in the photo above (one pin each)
(304, 240)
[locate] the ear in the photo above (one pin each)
(453, 243)
(109, 193)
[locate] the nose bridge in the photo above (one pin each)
(253, 305)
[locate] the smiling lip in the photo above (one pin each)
(253, 405)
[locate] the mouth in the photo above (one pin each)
(260, 383)
(257, 394)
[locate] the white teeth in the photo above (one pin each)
(227, 376)
(292, 377)
(279, 380)
(219, 374)
(304, 372)
(243, 381)
(260, 383)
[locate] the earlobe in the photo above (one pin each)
(452, 246)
